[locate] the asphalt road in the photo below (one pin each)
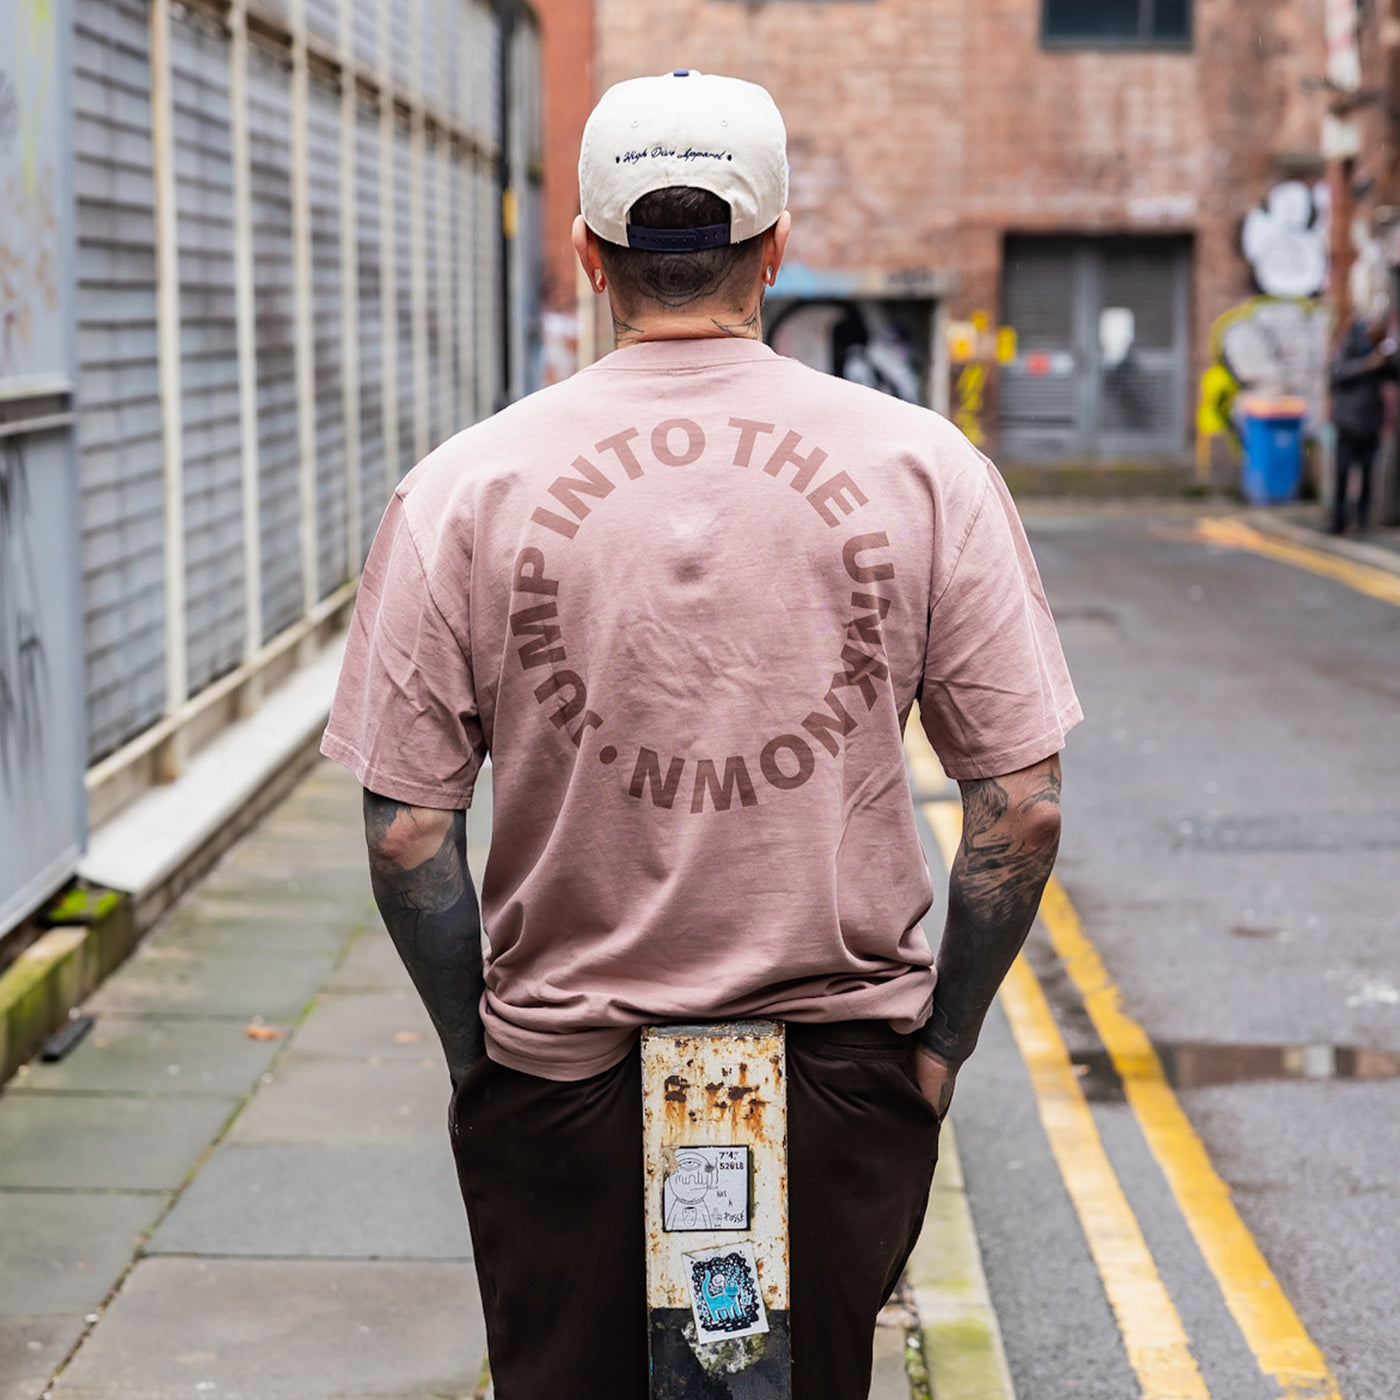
(1232, 849)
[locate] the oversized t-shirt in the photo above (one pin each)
(686, 601)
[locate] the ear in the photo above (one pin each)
(586, 246)
(775, 243)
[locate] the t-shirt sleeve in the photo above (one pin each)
(996, 693)
(404, 719)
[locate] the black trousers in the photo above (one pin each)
(1356, 452)
(551, 1174)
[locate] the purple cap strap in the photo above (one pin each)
(678, 240)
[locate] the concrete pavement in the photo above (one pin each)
(239, 1184)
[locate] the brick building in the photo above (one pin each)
(1076, 170)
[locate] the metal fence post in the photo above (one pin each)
(168, 351)
(714, 1136)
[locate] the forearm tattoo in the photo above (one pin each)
(1007, 852)
(432, 916)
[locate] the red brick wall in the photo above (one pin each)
(567, 27)
(921, 131)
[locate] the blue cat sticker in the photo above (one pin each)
(725, 1295)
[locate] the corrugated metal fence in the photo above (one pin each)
(290, 285)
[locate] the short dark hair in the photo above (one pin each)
(680, 279)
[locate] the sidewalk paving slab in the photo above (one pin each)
(161, 980)
(201, 930)
(64, 1248)
(888, 1379)
(370, 1025)
(372, 965)
(245, 1329)
(341, 1177)
(32, 1348)
(111, 1142)
(132, 1055)
(341, 1100)
(281, 1200)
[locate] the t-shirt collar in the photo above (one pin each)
(686, 354)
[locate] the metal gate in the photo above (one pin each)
(290, 260)
(1102, 357)
(41, 769)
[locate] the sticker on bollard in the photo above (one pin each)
(714, 1133)
(708, 1189)
(725, 1295)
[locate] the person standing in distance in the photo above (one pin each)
(1366, 361)
(686, 601)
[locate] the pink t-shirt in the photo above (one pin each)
(686, 600)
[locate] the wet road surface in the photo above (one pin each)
(1230, 872)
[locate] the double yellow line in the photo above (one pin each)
(1155, 1340)
(1153, 1335)
(1364, 578)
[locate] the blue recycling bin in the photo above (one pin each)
(1273, 450)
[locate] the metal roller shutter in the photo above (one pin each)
(279, 505)
(454, 77)
(120, 453)
(403, 280)
(323, 150)
(373, 482)
(1062, 396)
(402, 68)
(486, 42)
(448, 379)
(489, 304)
(432, 396)
(1143, 397)
(1040, 392)
(208, 350)
(437, 52)
(365, 23)
(323, 20)
(463, 340)
(527, 156)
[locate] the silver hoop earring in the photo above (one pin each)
(598, 278)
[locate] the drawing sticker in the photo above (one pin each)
(707, 1189)
(724, 1293)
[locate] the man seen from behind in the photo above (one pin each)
(686, 601)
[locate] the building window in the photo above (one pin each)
(1106, 23)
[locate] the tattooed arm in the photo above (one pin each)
(418, 870)
(1011, 832)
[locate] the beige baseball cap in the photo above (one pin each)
(683, 128)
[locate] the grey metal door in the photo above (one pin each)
(1102, 354)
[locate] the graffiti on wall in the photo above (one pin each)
(1268, 345)
(868, 341)
(1285, 240)
(24, 678)
(970, 401)
(30, 338)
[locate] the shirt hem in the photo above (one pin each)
(996, 765)
(569, 1068)
(568, 1072)
(340, 750)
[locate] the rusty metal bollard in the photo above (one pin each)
(714, 1136)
